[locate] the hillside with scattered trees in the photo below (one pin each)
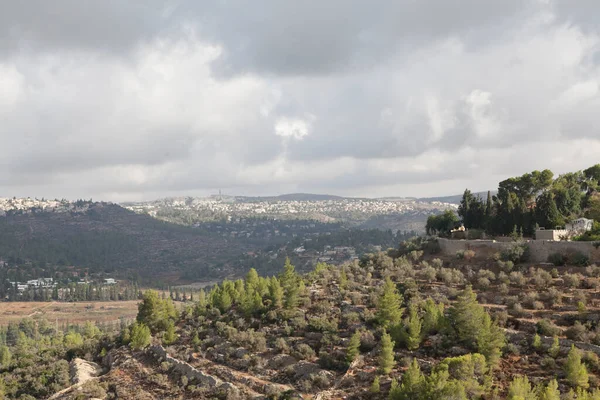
(403, 324)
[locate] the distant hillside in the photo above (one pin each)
(107, 237)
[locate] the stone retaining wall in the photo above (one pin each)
(187, 370)
(539, 249)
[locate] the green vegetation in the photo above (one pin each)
(534, 199)
(441, 224)
(577, 374)
(156, 313)
(389, 305)
(386, 354)
(34, 355)
(401, 324)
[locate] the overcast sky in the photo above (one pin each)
(129, 100)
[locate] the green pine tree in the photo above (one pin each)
(412, 327)
(537, 342)
(275, 293)
(290, 283)
(413, 384)
(389, 305)
(170, 336)
(375, 386)
(386, 354)
(353, 349)
(577, 374)
(433, 316)
(550, 391)
(5, 356)
(554, 349)
(520, 389)
(343, 278)
(139, 336)
(252, 281)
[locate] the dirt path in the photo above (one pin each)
(39, 310)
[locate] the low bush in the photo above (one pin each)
(517, 253)
(579, 259)
(547, 328)
(557, 259)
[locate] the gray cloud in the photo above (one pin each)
(140, 99)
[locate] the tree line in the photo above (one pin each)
(524, 203)
(72, 293)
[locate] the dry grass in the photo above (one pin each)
(68, 312)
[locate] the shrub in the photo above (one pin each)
(579, 259)
(576, 332)
(529, 298)
(593, 271)
(572, 280)
(548, 363)
(281, 345)
(367, 341)
(505, 266)
(547, 328)
(557, 259)
(513, 349)
(303, 352)
(517, 279)
(483, 283)
(517, 253)
(541, 279)
(553, 296)
(428, 273)
(517, 310)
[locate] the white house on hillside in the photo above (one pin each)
(580, 225)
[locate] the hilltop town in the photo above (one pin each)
(352, 211)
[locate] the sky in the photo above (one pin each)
(141, 99)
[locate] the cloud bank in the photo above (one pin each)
(136, 100)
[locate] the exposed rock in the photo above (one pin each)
(82, 371)
(304, 369)
(281, 361)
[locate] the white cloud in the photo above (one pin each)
(296, 128)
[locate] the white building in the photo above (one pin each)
(580, 225)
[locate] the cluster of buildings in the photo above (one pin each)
(49, 283)
(40, 283)
(28, 205)
(333, 208)
(329, 254)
